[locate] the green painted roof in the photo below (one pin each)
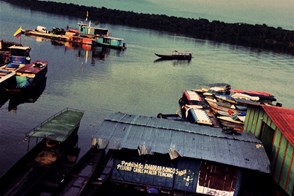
(59, 126)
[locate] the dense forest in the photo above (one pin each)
(256, 36)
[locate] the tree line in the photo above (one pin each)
(255, 36)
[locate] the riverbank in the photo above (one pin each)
(256, 36)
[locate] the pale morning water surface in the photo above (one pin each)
(127, 81)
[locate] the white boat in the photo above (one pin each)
(5, 75)
(198, 116)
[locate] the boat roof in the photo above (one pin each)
(34, 67)
(20, 47)
(192, 95)
(59, 126)
(157, 135)
(91, 27)
(113, 38)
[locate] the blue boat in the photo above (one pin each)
(111, 42)
(101, 36)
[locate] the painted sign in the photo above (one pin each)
(150, 169)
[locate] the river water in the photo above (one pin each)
(101, 82)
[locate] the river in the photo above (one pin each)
(103, 82)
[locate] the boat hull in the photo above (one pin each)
(46, 35)
(31, 74)
(111, 42)
(175, 56)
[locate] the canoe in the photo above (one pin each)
(215, 106)
(175, 55)
(77, 182)
(227, 121)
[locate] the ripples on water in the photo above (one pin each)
(128, 81)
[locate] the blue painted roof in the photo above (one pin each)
(157, 135)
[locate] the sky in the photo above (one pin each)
(276, 13)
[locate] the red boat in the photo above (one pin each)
(31, 74)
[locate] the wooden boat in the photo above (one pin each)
(78, 179)
(31, 74)
(41, 31)
(245, 96)
(190, 97)
(19, 56)
(221, 109)
(5, 52)
(198, 116)
(87, 29)
(111, 42)
(252, 93)
(175, 117)
(100, 177)
(80, 39)
(175, 55)
(100, 36)
(58, 133)
(5, 75)
(56, 175)
(227, 121)
(263, 97)
(225, 98)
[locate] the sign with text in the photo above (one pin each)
(150, 169)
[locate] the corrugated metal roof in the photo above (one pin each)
(284, 120)
(158, 135)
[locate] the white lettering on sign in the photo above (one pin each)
(155, 170)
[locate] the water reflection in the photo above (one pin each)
(87, 52)
(30, 95)
(4, 97)
(174, 62)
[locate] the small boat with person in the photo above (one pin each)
(175, 55)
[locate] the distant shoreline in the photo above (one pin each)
(255, 36)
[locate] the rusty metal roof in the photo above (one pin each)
(155, 135)
(284, 120)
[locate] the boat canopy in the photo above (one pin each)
(59, 126)
(14, 47)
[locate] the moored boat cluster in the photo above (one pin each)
(18, 73)
(84, 34)
(220, 106)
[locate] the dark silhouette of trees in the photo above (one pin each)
(257, 36)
